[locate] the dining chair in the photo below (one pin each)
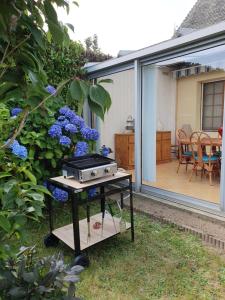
(203, 157)
(184, 153)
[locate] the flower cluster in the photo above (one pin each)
(68, 124)
(105, 151)
(81, 149)
(89, 134)
(18, 150)
(60, 195)
(50, 89)
(15, 111)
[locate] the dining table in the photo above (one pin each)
(217, 142)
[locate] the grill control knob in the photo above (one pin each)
(107, 170)
(94, 173)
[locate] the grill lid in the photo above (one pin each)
(87, 161)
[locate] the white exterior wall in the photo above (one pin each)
(122, 95)
(166, 102)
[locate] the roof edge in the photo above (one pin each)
(162, 46)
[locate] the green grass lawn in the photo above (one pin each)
(162, 263)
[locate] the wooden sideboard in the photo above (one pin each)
(124, 150)
(163, 146)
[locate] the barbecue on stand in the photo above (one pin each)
(75, 234)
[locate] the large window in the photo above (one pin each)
(213, 103)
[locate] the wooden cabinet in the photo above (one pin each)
(124, 150)
(163, 146)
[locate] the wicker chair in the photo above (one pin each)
(203, 157)
(184, 153)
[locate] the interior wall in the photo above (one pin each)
(189, 98)
(166, 101)
(122, 95)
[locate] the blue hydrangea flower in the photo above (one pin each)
(65, 141)
(89, 133)
(51, 187)
(105, 151)
(78, 121)
(71, 128)
(61, 118)
(14, 143)
(64, 110)
(50, 89)
(81, 149)
(92, 192)
(55, 131)
(19, 151)
(15, 111)
(62, 123)
(60, 195)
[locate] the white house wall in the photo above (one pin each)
(166, 102)
(122, 95)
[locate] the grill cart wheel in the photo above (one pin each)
(81, 260)
(50, 240)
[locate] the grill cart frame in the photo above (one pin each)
(71, 234)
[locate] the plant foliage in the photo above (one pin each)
(26, 277)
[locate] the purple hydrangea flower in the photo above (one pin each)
(15, 111)
(71, 128)
(81, 149)
(60, 195)
(19, 151)
(55, 131)
(89, 133)
(50, 89)
(65, 141)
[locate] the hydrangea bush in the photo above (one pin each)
(72, 133)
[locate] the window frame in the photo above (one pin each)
(202, 102)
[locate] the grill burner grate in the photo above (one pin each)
(88, 161)
(88, 167)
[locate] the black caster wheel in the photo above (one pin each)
(50, 240)
(81, 260)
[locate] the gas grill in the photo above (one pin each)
(89, 167)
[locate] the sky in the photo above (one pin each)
(125, 24)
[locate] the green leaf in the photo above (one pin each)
(9, 184)
(106, 97)
(96, 95)
(29, 277)
(49, 155)
(36, 196)
(85, 87)
(17, 292)
(107, 80)
(76, 90)
(70, 26)
(30, 176)
(50, 11)
(5, 224)
(97, 109)
(6, 87)
(5, 174)
(56, 32)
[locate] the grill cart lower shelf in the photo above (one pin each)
(78, 235)
(110, 228)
